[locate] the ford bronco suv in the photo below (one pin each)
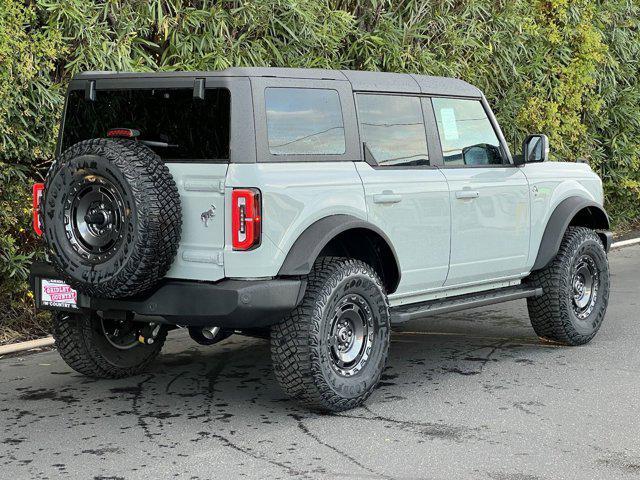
(317, 208)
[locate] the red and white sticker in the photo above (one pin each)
(56, 293)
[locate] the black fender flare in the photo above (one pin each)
(558, 223)
(309, 244)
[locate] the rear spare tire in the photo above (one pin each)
(111, 216)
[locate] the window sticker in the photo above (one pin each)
(449, 125)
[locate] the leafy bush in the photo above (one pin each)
(566, 68)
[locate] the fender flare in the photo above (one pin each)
(307, 247)
(558, 223)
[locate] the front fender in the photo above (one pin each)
(558, 223)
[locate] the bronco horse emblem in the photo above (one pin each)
(207, 215)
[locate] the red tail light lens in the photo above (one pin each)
(245, 218)
(123, 133)
(38, 190)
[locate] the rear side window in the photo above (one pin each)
(392, 126)
(304, 121)
(466, 134)
(183, 127)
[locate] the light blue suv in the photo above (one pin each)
(316, 208)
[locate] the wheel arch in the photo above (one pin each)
(573, 211)
(344, 235)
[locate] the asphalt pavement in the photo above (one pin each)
(472, 395)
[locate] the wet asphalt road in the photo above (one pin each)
(469, 395)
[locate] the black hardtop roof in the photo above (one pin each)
(360, 80)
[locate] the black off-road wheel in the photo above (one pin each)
(111, 216)
(330, 352)
(576, 290)
(102, 348)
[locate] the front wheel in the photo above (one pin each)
(330, 351)
(575, 290)
(106, 348)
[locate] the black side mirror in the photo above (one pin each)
(481, 154)
(535, 148)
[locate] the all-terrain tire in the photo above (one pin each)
(553, 314)
(83, 346)
(142, 220)
(300, 345)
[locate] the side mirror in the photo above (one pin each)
(535, 148)
(482, 154)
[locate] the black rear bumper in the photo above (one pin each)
(228, 303)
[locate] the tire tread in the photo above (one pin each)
(73, 340)
(548, 313)
(159, 219)
(296, 363)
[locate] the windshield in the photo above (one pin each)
(172, 122)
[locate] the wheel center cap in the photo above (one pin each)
(98, 217)
(345, 334)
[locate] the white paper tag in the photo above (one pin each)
(449, 125)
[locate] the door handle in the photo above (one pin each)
(387, 196)
(467, 194)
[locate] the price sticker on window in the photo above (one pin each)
(449, 125)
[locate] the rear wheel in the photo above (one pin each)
(575, 290)
(106, 348)
(330, 351)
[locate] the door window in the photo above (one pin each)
(466, 134)
(392, 126)
(304, 121)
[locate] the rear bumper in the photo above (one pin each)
(228, 303)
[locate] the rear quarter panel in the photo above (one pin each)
(294, 195)
(549, 184)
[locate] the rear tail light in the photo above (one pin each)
(38, 190)
(245, 218)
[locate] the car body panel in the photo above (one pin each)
(490, 233)
(294, 196)
(201, 189)
(418, 224)
(549, 184)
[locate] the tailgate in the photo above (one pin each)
(201, 187)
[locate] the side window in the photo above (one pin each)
(466, 134)
(393, 128)
(304, 121)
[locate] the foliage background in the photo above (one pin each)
(569, 69)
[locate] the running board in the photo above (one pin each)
(404, 313)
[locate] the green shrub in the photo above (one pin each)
(566, 68)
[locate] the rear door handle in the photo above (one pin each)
(466, 194)
(387, 197)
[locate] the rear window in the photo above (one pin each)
(186, 128)
(304, 121)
